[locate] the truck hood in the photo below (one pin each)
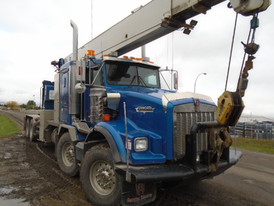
(170, 97)
(150, 113)
(160, 96)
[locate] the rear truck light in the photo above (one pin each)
(140, 144)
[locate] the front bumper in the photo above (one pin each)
(171, 172)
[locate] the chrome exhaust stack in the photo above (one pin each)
(75, 41)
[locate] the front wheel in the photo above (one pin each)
(65, 154)
(103, 186)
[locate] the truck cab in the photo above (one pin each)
(111, 118)
(152, 134)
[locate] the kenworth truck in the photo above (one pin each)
(111, 122)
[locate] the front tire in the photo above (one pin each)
(102, 185)
(65, 154)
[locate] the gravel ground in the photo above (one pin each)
(27, 177)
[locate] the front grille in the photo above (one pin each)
(184, 119)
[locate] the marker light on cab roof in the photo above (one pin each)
(91, 53)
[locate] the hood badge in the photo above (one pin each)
(145, 109)
(197, 104)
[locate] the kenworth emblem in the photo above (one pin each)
(197, 104)
(145, 109)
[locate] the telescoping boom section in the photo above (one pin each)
(156, 19)
(149, 22)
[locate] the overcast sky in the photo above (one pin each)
(35, 32)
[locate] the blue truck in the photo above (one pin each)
(112, 122)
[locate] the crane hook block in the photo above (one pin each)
(230, 107)
(250, 7)
(251, 48)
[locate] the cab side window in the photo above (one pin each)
(94, 75)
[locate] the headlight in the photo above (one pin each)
(140, 144)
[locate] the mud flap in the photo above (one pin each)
(138, 193)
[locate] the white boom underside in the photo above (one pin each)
(152, 21)
(156, 19)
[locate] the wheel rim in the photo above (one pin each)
(102, 177)
(68, 156)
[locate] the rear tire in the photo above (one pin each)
(27, 127)
(54, 139)
(65, 154)
(102, 185)
(31, 130)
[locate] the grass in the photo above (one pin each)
(7, 127)
(257, 145)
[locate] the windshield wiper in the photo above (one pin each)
(142, 81)
(132, 80)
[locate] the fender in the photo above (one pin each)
(114, 140)
(71, 130)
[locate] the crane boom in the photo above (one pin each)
(141, 27)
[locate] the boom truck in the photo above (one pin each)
(111, 122)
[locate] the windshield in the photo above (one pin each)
(130, 74)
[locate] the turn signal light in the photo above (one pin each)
(106, 117)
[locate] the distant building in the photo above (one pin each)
(252, 118)
(257, 127)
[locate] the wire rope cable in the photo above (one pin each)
(247, 42)
(231, 50)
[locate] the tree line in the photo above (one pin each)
(13, 105)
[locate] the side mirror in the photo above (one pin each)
(169, 78)
(175, 80)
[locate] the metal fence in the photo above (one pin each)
(256, 130)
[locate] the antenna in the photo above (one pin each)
(91, 18)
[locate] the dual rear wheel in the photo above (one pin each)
(65, 154)
(30, 129)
